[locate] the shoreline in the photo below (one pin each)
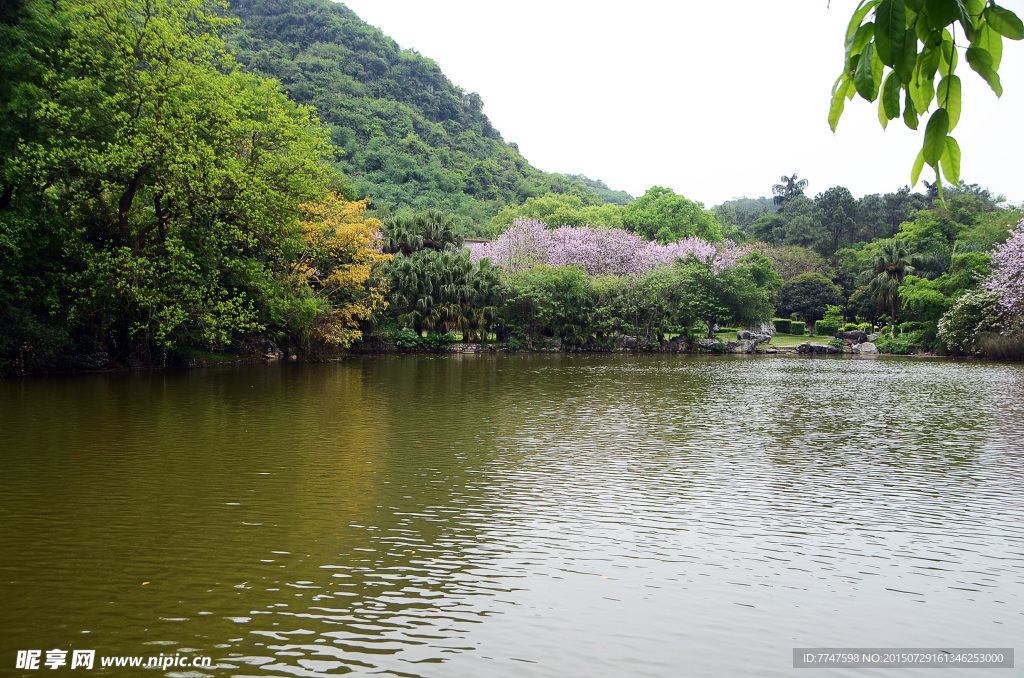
(460, 349)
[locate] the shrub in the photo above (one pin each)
(438, 342)
(908, 327)
(796, 328)
(975, 313)
(900, 345)
(826, 327)
(1003, 346)
(850, 327)
(410, 340)
(783, 325)
(838, 344)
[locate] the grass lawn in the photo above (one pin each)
(778, 340)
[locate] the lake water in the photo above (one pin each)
(535, 515)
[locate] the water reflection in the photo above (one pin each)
(534, 515)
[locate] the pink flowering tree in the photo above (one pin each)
(1007, 280)
(529, 242)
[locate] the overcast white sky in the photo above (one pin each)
(713, 99)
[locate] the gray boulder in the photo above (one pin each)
(763, 328)
(853, 336)
(626, 341)
(872, 337)
(742, 346)
(710, 344)
(864, 348)
(744, 335)
(809, 348)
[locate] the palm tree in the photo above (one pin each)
(439, 230)
(431, 230)
(893, 262)
(400, 236)
(789, 188)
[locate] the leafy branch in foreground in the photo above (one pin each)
(895, 46)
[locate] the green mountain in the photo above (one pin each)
(410, 137)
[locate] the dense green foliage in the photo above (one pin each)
(808, 296)
(410, 138)
(831, 323)
(559, 210)
(568, 305)
(660, 214)
(158, 202)
(152, 206)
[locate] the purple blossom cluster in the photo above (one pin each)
(529, 242)
(1007, 280)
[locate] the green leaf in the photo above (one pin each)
(974, 8)
(940, 12)
(891, 96)
(950, 161)
(935, 136)
(947, 54)
(981, 61)
(838, 104)
(882, 117)
(859, 43)
(890, 30)
(877, 69)
(949, 98)
(915, 173)
(839, 84)
(862, 11)
(922, 28)
(1004, 22)
(908, 58)
(909, 112)
(990, 41)
(967, 21)
(922, 87)
(862, 79)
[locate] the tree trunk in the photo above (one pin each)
(124, 205)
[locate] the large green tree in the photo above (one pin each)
(695, 292)
(172, 182)
(663, 215)
(802, 224)
(808, 295)
(838, 208)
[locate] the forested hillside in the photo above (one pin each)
(410, 137)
